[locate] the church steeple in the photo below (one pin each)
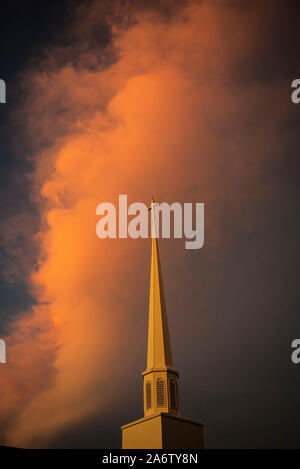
(162, 426)
(159, 347)
(160, 378)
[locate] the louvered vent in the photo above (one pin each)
(160, 393)
(148, 395)
(173, 394)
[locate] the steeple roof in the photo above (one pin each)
(159, 355)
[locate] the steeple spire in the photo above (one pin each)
(160, 378)
(161, 427)
(159, 355)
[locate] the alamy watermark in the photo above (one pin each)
(2, 351)
(2, 101)
(163, 217)
(2, 92)
(295, 96)
(295, 357)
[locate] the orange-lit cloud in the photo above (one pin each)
(166, 118)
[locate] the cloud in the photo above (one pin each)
(168, 116)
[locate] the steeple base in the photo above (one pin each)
(162, 431)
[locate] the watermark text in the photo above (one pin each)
(2, 351)
(295, 357)
(296, 93)
(2, 92)
(183, 221)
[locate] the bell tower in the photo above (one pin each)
(162, 426)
